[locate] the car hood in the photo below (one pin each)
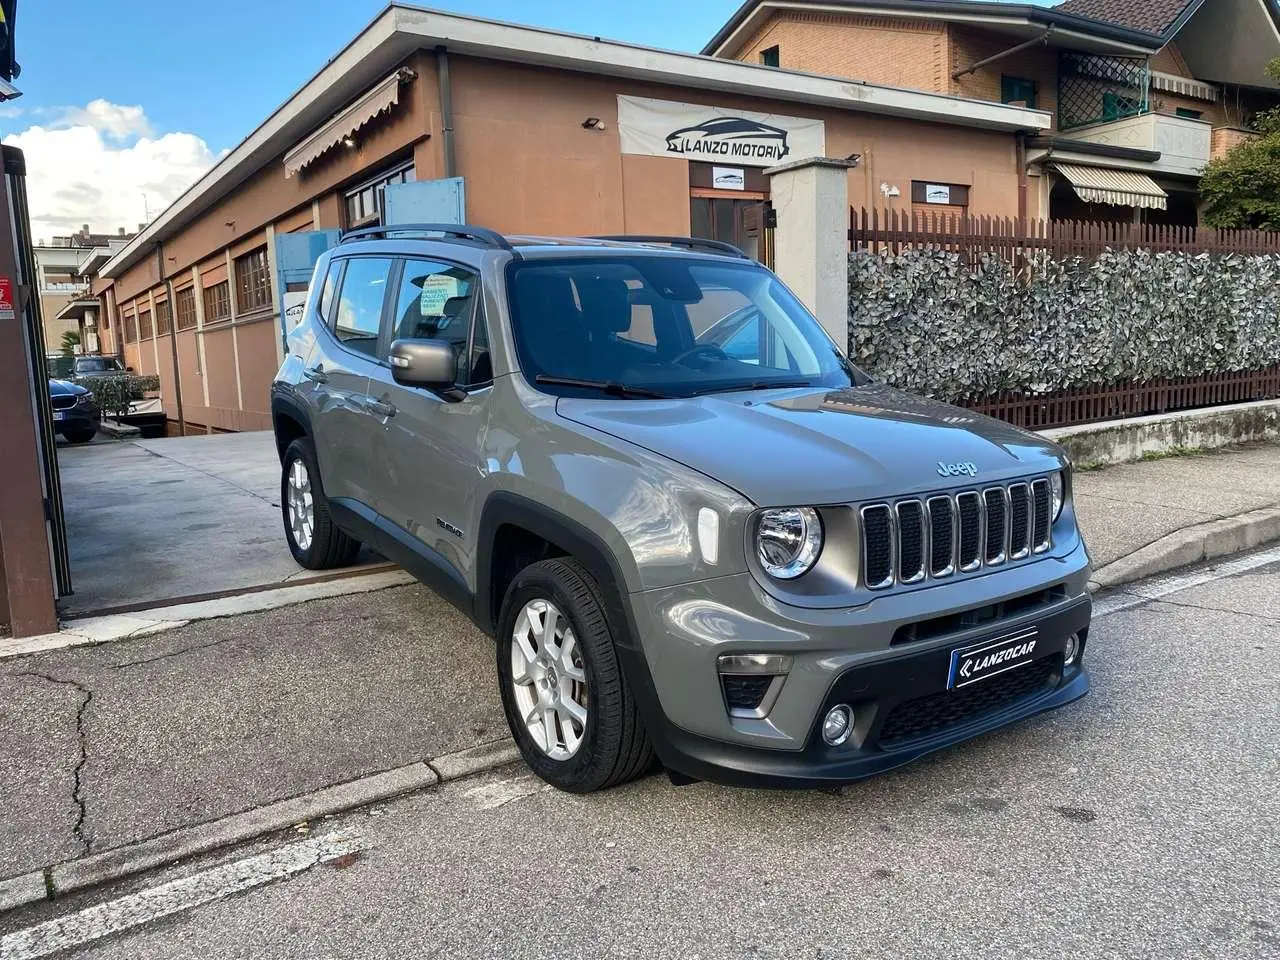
(789, 447)
(59, 388)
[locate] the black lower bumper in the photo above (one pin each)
(902, 707)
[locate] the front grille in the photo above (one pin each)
(1040, 513)
(877, 546)
(63, 401)
(934, 714)
(969, 506)
(912, 540)
(979, 616)
(997, 517)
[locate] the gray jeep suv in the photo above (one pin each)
(694, 529)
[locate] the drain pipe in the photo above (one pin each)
(173, 338)
(446, 110)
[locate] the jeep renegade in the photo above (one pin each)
(696, 532)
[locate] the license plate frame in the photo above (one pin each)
(979, 661)
(59, 415)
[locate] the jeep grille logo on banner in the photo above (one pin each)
(661, 128)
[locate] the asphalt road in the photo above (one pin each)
(1143, 821)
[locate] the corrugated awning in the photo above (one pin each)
(1121, 188)
(342, 125)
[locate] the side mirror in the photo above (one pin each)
(423, 363)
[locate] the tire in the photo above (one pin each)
(80, 436)
(612, 746)
(325, 546)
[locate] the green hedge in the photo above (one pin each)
(114, 393)
(930, 322)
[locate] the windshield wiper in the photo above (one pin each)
(756, 385)
(611, 387)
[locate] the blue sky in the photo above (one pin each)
(216, 69)
(127, 103)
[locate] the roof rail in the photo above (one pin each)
(693, 243)
(447, 231)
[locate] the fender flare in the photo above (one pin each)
(569, 535)
(283, 404)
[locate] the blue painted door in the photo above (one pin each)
(296, 256)
(425, 201)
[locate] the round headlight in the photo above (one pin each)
(788, 541)
(1056, 488)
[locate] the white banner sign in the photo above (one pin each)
(661, 128)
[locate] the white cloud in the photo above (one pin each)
(96, 165)
(116, 121)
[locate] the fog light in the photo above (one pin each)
(838, 725)
(1072, 652)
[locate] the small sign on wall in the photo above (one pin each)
(728, 178)
(937, 193)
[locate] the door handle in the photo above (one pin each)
(380, 409)
(316, 374)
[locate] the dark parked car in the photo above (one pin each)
(75, 413)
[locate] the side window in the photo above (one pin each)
(436, 302)
(329, 291)
(359, 313)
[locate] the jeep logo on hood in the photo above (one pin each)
(731, 137)
(962, 469)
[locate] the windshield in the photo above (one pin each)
(96, 364)
(665, 326)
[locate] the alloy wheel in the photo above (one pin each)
(550, 680)
(302, 516)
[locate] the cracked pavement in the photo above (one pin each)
(108, 745)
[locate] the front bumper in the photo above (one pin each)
(857, 656)
(77, 419)
(902, 711)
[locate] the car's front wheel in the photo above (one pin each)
(567, 703)
(79, 436)
(314, 539)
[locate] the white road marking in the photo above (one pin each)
(489, 796)
(1136, 594)
(116, 916)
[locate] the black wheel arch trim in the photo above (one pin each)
(580, 542)
(282, 404)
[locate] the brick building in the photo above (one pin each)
(1143, 93)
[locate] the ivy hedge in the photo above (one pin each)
(114, 393)
(940, 324)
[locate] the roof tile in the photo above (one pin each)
(1149, 16)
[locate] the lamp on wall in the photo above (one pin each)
(348, 141)
(593, 123)
(890, 191)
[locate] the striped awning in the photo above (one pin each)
(1121, 188)
(342, 125)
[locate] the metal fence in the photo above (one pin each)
(892, 231)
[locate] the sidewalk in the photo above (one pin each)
(108, 745)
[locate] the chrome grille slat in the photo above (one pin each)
(995, 505)
(1041, 507)
(1019, 521)
(942, 532)
(969, 510)
(877, 546)
(909, 541)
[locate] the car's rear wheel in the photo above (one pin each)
(567, 703)
(314, 539)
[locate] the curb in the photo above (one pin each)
(1204, 541)
(127, 626)
(59, 879)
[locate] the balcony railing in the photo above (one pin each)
(1184, 145)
